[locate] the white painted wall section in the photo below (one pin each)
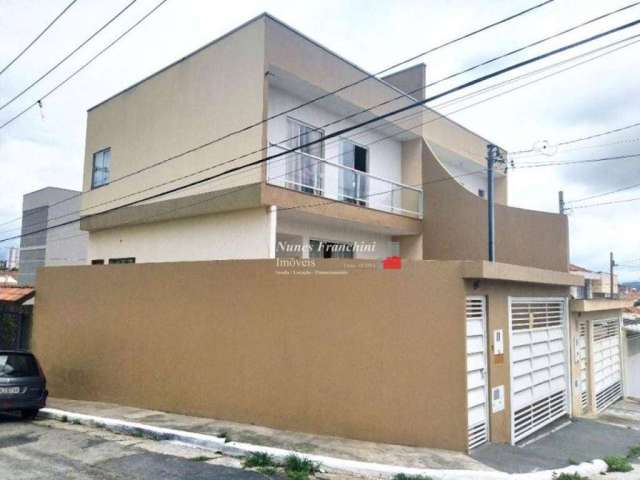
(337, 231)
(244, 234)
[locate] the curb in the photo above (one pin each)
(212, 442)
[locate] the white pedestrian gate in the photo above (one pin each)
(582, 359)
(539, 385)
(477, 407)
(633, 364)
(607, 368)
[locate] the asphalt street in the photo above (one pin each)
(45, 449)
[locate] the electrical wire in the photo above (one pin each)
(484, 63)
(66, 57)
(24, 50)
(582, 139)
(82, 67)
(248, 164)
(368, 76)
(604, 194)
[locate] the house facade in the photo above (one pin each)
(278, 263)
(363, 187)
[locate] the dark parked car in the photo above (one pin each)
(23, 386)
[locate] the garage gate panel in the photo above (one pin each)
(539, 390)
(477, 405)
(606, 357)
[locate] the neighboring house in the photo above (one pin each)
(598, 347)
(15, 317)
(449, 351)
(40, 246)
(632, 356)
(13, 260)
(596, 285)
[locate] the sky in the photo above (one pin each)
(45, 147)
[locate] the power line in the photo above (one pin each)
(361, 124)
(585, 147)
(571, 162)
(484, 63)
(82, 67)
(458, 110)
(72, 52)
(368, 76)
(582, 139)
(601, 204)
(390, 136)
(604, 194)
(23, 51)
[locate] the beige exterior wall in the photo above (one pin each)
(455, 226)
(232, 235)
(498, 294)
(175, 110)
(234, 340)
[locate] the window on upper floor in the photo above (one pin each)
(101, 168)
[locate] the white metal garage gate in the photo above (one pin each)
(538, 352)
(607, 367)
(633, 364)
(477, 406)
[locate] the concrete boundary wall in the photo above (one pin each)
(368, 354)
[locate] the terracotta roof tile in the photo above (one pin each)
(15, 294)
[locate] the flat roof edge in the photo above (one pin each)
(485, 270)
(598, 304)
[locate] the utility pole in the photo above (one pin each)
(612, 264)
(561, 207)
(493, 157)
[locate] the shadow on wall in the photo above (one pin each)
(455, 225)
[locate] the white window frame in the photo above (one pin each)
(93, 168)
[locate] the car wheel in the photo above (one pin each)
(29, 414)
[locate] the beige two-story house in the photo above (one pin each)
(231, 153)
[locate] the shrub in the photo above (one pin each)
(403, 476)
(268, 471)
(568, 476)
(634, 452)
(258, 459)
(618, 464)
(298, 468)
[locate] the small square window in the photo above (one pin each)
(101, 168)
(97, 261)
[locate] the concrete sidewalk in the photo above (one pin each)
(414, 457)
(560, 445)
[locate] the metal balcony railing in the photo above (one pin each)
(314, 175)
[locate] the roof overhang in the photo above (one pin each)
(16, 295)
(598, 304)
(485, 270)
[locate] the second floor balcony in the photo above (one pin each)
(345, 180)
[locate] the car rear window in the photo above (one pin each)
(17, 365)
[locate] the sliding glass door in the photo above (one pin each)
(354, 186)
(305, 170)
